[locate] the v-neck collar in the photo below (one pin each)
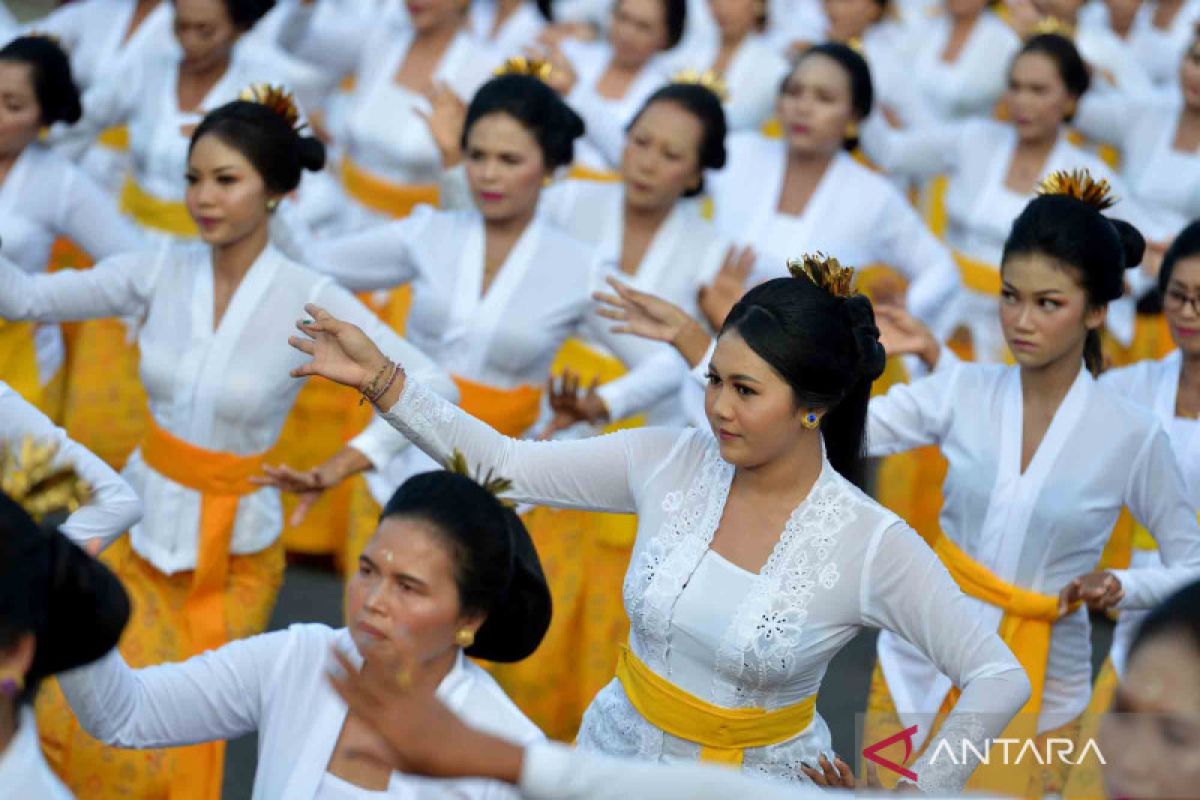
(1061, 424)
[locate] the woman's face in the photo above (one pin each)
(1189, 76)
(205, 33)
(430, 15)
(661, 160)
(1037, 98)
(815, 107)
(405, 589)
(1183, 317)
(735, 18)
(226, 195)
(1044, 311)
(20, 112)
(1151, 738)
(1122, 12)
(638, 32)
(505, 167)
(751, 409)
(850, 19)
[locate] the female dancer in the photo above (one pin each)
(993, 168)
(44, 197)
(781, 196)
(218, 397)
(756, 557)
(450, 572)
(59, 610)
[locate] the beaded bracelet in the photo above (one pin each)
(371, 387)
(374, 394)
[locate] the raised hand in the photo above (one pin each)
(307, 485)
(651, 317)
(570, 405)
(562, 77)
(1100, 590)
(727, 286)
(340, 351)
(445, 122)
(901, 333)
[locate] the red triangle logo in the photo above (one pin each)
(872, 753)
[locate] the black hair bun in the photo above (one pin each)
(312, 153)
(872, 356)
(1133, 244)
(50, 70)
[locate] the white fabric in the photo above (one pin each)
(842, 563)
(606, 118)
(684, 255)
(226, 390)
(1116, 69)
(751, 79)
(23, 770)
(275, 684)
(1158, 50)
(518, 32)
(112, 508)
(552, 771)
(506, 337)
(1042, 528)
(45, 197)
(980, 209)
(1163, 180)
(883, 227)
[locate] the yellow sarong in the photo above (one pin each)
(166, 216)
(581, 173)
(723, 734)
(979, 276)
(384, 196)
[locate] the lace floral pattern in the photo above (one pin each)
(420, 414)
(946, 777)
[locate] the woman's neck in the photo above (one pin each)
(209, 73)
(232, 261)
(504, 10)
(644, 218)
(509, 228)
(8, 724)
(438, 37)
(1036, 150)
(1046, 386)
(788, 478)
(1189, 374)
(809, 164)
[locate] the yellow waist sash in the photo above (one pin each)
(379, 194)
(509, 411)
(168, 216)
(116, 138)
(977, 275)
(581, 173)
(722, 733)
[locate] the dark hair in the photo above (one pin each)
(1074, 233)
(50, 70)
(245, 14)
(862, 91)
(1186, 245)
(1178, 615)
(705, 106)
(826, 348)
(266, 139)
(71, 604)
(1062, 51)
(675, 16)
(496, 568)
(537, 107)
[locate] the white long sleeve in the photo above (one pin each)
(120, 286)
(553, 771)
(113, 506)
(914, 153)
(912, 415)
(380, 257)
(941, 622)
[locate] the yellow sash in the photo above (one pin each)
(114, 138)
(509, 411)
(582, 173)
(168, 216)
(977, 275)
(379, 194)
(18, 360)
(722, 733)
(222, 480)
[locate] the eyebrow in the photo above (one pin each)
(1036, 293)
(403, 575)
(735, 377)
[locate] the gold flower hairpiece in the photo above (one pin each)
(1080, 184)
(1052, 26)
(493, 483)
(824, 271)
(520, 65)
(30, 476)
(708, 79)
(277, 99)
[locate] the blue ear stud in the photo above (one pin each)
(811, 421)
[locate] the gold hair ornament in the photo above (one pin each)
(1080, 184)
(30, 476)
(520, 65)
(493, 483)
(1051, 26)
(708, 79)
(277, 99)
(824, 271)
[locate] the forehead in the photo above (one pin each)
(15, 78)
(200, 11)
(671, 121)
(732, 356)
(820, 70)
(1034, 272)
(643, 10)
(211, 152)
(1034, 67)
(410, 545)
(1164, 673)
(1187, 271)
(500, 129)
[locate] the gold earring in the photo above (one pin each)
(464, 638)
(851, 130)
(811, 421)
(272, 204)
(11, 683)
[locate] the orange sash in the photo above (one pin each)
(979, 276)
(379, 194)
(581, 173)
(509, 411)
(222, 480)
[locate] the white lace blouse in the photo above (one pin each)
(843, 562)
